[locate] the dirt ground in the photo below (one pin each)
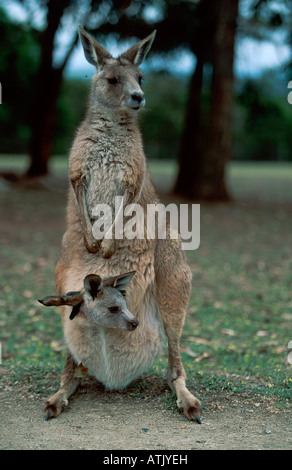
(97, 420)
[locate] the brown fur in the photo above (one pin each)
(107, 160)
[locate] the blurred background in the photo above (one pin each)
(216, 82)
(217, 130)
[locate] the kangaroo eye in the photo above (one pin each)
(140, 79)
(113, 80)
(114, 309)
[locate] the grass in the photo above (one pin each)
(240, 313)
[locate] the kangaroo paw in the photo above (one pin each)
(108, 248)
(55, 406)
(191, 408)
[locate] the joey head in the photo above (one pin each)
(102, 303)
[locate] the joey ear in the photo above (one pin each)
(51, 301)
(138, 52)
(93, 285)
(71, 298)
(94, 52)
(75, 311)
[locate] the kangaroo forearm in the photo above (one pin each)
(79, 186)
(130, 191)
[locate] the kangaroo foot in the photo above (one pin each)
(191, 408)
(55, 405)
(186, 402)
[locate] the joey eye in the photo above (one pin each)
(113, 80)
(115, 309)
(140, 79)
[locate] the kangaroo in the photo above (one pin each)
(107, 160)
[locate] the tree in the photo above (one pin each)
(201, 171)
(220, 126)
(49, 80)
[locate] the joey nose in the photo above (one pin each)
(132, 325)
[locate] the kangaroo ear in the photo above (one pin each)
(71, 298)
(138, 52)
(93, 285)
(94, 52)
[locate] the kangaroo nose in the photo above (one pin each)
(138, 96)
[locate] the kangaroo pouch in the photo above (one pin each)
(116, 357)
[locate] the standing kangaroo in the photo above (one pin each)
(107, 160)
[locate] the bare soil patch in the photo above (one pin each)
(99, 420)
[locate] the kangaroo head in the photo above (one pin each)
(100, 302)
(118, 82)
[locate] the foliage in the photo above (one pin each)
(163, 118)
(70, 111)
(19, 55)
(262, 129)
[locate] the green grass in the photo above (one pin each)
(240, 314)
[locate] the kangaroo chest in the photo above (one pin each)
(105, 181)
(111, 170)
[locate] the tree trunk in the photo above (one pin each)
(43, 121)
(48, 88)
(202, 167)
(220, 126)
(190, 155)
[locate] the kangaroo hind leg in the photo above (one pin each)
(69, 383)
(173, 279)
